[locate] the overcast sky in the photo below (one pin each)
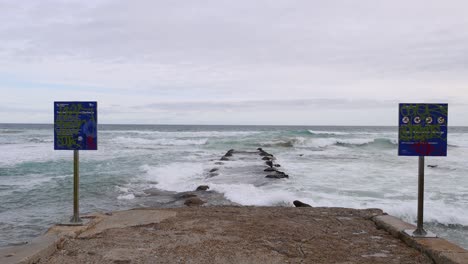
(233, 62)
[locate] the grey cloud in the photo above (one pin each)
(380, 36)
(220, 55)
(265, 105)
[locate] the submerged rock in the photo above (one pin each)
(267, 158)
(186, 195)
(202, 188)
(194, 201)
(214, 169)
(224, 158)
(277, 165)
(269, 169)
(298, 203)
(277, 176)
(212, 174)
(219, 163)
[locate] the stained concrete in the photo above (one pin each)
(438, 249)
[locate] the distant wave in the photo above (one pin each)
(327, 142)
(382, 142)
(40, 140)
(315, 132)
(11, 131)
(162, 141)
(286, 144)
(208, 134)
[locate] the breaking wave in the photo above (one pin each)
(328, 142)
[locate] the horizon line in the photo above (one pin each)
(270, 125)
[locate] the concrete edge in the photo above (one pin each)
(438, 249)
(45, 245)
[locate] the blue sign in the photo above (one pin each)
(423, 130)
(75, 125)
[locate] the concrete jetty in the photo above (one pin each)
(219, 232)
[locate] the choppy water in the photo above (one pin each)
(354, 167)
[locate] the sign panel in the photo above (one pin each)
(422, 130)
(75, 125)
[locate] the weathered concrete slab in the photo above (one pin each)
(393, 225)
(44, 246)
(34, 251)
(129, 218)
(438, 249)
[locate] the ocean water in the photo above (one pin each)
(355, 167)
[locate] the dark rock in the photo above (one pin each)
(214, 169)
(212, 174)
(219, 163)
(264, 153)
(300, 155)
(260, 149)
(224, 158)
(269, 163)
(194, 201)
(277, 176)
(432, 166)
(269, 169)
(229, 153)
(298, 203)
(277, 165)
(153, 192)
(186, 195)
(202, 188)
(267, 158)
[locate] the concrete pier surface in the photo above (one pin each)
(231, 234)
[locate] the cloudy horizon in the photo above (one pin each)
(337, 62)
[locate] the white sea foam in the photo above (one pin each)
(248, 194)
(11, 155)
(129, 196)
(178, 176)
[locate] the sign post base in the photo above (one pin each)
(418, 234)
(82, 222)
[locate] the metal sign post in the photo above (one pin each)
(420, 229)
(75, 128)
(76, 184)
(422, 132)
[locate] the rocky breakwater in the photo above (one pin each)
(255, 167)
(272, 169)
